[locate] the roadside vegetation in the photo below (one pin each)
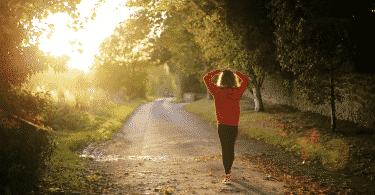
(177, 101)
(75, 128)
(308, 137)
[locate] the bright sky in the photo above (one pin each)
(91, 36)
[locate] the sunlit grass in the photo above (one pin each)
(63, 165)
(310, 145)
(103, 127)
(205, 108)
(175, 100)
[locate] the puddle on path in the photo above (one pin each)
(92, 151)
(120, 157)
(98, 152)
(102, 157)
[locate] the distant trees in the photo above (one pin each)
(179, 46)
(192, 85)
(138, 37)
(122, 63)
(220, 45)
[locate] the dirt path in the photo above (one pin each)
(179, 175)
(164, 148)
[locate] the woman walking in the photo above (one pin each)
(227, 94)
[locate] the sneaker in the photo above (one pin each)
(227, 180)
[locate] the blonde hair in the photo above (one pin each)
(236, 80)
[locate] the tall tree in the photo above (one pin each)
(209, 95)
(248, 20)
(315, 46)
(227, 46)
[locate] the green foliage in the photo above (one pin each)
(41, 61)
(60, 115)
(176, 46)
(315, 46)
(176, 84)
(192, 84)
(180, 44)
(159, 80)
(32, 103)
(80, 89)
(219, 44)
(64, 116)
(185, 55)
(47, 80)
(312, 45)
(226, 48)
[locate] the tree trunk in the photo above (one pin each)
(333, 109)
(180, 95)
(209, 95)
(258, 99)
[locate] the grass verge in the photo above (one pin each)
(287, 128)
(62, 176)
(175, 100)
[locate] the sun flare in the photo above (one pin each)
(86, 40)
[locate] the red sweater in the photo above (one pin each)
(227, 101)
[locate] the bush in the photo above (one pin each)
(96, 121)
(63, 116)
(24, 149)
(200, 96)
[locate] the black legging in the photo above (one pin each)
(228, 136)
